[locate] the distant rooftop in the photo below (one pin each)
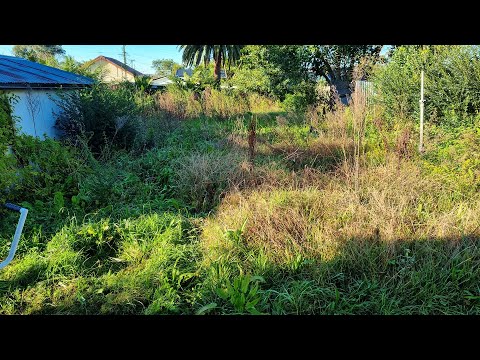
(119, 64)
(19, 73)
(163, 81)
(181, 72)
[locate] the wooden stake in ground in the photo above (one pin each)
(252, 136)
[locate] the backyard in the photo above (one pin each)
(246, 203)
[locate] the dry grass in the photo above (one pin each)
(394, 203)
(201, 179)
(220, 105)
(314, 213)
(185, 104)
(262, 104)
(179, 104)
(327, 153)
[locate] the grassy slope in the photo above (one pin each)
(190, 227)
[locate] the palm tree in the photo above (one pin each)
(194, 54)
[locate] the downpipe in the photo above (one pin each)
(18, 232)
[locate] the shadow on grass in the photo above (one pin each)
(365, 276)
(369, 277)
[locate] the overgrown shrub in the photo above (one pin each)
(452, 78)
(304, 95)
(7, 121)
(102, 114)
(45, 167)
(7, 138)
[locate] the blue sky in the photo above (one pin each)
(141, 55)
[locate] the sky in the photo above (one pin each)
(140, 57)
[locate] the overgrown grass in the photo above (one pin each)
(192, 227)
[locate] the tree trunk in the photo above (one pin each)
(343, 90)
(218, 66)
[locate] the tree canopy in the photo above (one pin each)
(38, 53)
(221, 54)
(165, 67)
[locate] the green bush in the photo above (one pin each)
(7, 136)
(452, 78)
(102, 114)
(45, 167)
(252, 81)
(295, 102)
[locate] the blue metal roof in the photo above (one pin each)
(18, 73)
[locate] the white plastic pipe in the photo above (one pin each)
(16, 238)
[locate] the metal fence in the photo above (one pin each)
(366, 89)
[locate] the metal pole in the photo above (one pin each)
(124, 61)
(422, 100)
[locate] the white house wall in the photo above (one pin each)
(41, 103)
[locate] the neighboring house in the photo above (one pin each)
(163, 81)
(113, 71)
(180, 73)
(36, 88)
(160, 82)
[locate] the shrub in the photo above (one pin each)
(7, 136)
(452, 75)
(252, 81)
(102, 114)
(46, 167)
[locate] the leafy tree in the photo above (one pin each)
(336, 63)
(221, 54)
(294, 69)
(77, 67)
(165, 67)
(278, 71)
(452, 78)
(38, 53)
(254, 73)
(201, 76)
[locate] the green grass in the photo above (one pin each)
(186, 228)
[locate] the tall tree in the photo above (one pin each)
(165, 67)
(290, 69)
(276, 70)
(195, 54)
(38, 53)
(336, 63)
